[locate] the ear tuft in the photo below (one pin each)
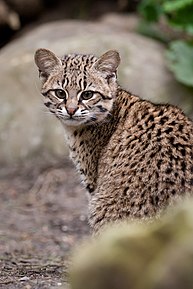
(46, 61)
(108, 62)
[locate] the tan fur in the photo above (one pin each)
(134, 157)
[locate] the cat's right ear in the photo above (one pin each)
(47, 62)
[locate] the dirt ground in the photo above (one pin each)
(42, 217)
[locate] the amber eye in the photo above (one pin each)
(60, 93)
(85, 95)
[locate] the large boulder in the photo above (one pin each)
(27, 129)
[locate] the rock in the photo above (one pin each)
(26, 127)
(32, 9)
(139, 256)
(8, 16)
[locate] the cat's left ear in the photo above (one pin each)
(46, 61)
(108, 62)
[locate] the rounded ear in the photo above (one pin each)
(46, 61)
(108, 62)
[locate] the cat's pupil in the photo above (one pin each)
(60, 93)
(87, 95)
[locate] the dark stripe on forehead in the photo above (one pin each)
(66, 79)
(80, 80)
(84, 83)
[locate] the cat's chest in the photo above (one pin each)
(82, 151)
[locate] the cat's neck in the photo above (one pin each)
(86, 143)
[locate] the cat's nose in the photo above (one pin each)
(71, 110)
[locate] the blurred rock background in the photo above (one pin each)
(26, 128)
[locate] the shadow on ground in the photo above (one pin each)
(42, 217)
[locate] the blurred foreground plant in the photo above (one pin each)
(175, 28)
(139, 256)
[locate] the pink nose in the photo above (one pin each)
(71, 110)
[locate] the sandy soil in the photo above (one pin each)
(42, 217)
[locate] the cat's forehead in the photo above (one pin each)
(77, 62)
(78, 71)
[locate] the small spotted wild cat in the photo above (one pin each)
(134, 157)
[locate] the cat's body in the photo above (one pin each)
(134, 157)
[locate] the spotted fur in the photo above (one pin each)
(134, 157)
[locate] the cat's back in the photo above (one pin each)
(141, 122)
(150, 154)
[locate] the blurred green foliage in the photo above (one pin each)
(178, 15)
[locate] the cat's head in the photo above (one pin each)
(78, 89)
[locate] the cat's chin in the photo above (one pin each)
(75, 122)
(71, 122)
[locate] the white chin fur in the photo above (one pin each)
(71, 122)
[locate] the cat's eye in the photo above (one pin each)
(60, 93)
(85, 95)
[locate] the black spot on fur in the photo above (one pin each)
(183, 166)
(168, 130)
(156, 175)
(149, 136)
(140, 127)
(159, 164)
(90, 188)
(150, 118)
(173, 192)
(159, 148)
(168, 171)
(160, 113)
(180, 127)
(153, 126)
(81, 132)
(173, 123)
(184, 138)
(47, 104)
(133, 165)
(158, 132)
(183, 152)
(152, 155)
(146, 146)
(183, 182)
(126, 102)
(172, 140)
(132, 146)
(144, 115)
(101, 108)
(125, 191)
(163, 120)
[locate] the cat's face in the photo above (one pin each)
(78, 89)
